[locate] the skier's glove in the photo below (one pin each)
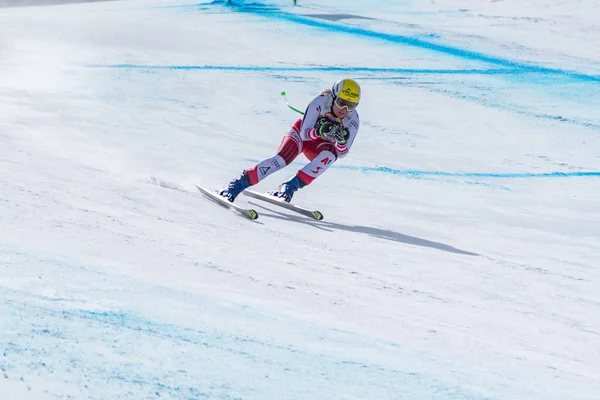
(340, 135)
(326, 129)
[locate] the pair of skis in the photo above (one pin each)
(252, 214)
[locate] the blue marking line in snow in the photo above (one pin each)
(509, 175)
(374, 71)
(516, 109)
(314, 69)
(517, 71)
(274, 12)
(107, 350)
(415, 173)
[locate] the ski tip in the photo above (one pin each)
(253, 215)
(318, 216)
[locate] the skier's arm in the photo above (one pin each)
(352, 128)
(312, 113)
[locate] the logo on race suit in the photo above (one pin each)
(349, 94)
(325, 162)
(264, 170)
(276, 163)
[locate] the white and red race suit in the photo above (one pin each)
(302, 138)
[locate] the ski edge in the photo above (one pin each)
(245, 212)
(282, 203)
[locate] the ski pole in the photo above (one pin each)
(288, 104)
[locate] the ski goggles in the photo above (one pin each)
(347, 104)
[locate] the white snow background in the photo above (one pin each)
(458, 258)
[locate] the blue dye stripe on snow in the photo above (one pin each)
(513, 108)
(414, 172)
(414, 71)
(497, 175)
(66, 345)
(314, 69)
(271, 11)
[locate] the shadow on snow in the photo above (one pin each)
(375, 232)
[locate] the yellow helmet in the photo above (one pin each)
(347, 89)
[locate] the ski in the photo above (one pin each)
(282, 203)
(246, 212)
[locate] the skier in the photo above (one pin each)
(325, 134)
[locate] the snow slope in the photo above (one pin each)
(458, 255)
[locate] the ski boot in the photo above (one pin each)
(287, 189)
(235, 187)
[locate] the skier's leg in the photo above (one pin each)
(319, 163)
(290, 147)
(321, 156)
